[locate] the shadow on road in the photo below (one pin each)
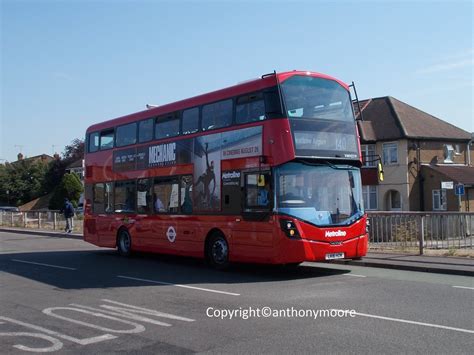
(101, 268)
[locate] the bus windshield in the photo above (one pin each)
(323, 194)
(316, 98)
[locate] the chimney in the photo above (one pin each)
(56, 156)
(20, 156)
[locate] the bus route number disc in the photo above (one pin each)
(171, 234)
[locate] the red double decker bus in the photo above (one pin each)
(267, 171)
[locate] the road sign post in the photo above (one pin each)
(459, 191)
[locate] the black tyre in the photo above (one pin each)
(217, 252)
(124, 243)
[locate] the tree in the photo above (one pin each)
(74, 151)
(70, 187)
(22, 181)
(57, 167)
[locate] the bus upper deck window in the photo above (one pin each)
(107, 139)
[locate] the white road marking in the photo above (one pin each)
(49, 265)
(137, 328)
(57, 345)
(143, 310)
(122, 314)
(85, 341)
(178, 285)
(354, 275)
(416, 323)
(467, 288)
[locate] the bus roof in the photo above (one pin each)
(265, 81)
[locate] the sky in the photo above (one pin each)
(66, 65)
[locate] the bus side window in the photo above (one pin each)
(190, 120)
(98, 198)
(93, 142)
(145, 130)
(107, 139)
(109, 195)
(126, 134)
(124, 196)
(258, 193)
(186, 191)
(250, 108)
(166, 195)
(144, 200)
(217, 115)
(272, 103)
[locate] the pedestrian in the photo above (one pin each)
(68, 211)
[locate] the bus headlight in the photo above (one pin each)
(289, 227)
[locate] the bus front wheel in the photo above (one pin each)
(124, 243)
(217, 252)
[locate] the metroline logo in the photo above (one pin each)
(338, 233)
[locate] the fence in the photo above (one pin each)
(46, 220)
(422, 230)
(387, 230)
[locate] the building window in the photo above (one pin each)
(369, 194)
(368, 155)
(457, 149)
(217, 115)
(126, 135)
(439, 200)
(395, 200)
(390, 153)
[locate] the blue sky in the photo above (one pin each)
(68, 64)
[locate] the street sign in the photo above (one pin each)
(459, 190)
(448, 185)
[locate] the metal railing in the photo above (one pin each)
(45, 220)
(387, 230)
(421, 230)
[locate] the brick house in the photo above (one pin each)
(419, 152)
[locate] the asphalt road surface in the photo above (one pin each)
(63, 295)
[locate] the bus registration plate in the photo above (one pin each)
(334, 256)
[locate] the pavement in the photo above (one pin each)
(463, 266)
(421, 263)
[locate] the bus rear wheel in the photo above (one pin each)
(124, 243)
(217, 252)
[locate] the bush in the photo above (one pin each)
(70, 187)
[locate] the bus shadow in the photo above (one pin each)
(106, 269)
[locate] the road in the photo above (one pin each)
(66, 296)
